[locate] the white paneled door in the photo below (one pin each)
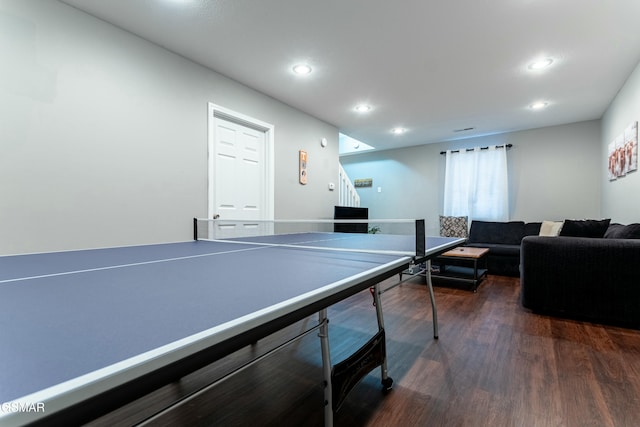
(240, 171)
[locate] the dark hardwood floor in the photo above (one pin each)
(495, 364)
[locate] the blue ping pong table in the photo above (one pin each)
(85, 332)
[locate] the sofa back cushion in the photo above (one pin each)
(532, 228)
(585, 228)
(619, 231)
(507, 233)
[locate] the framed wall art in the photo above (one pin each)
(303, 167)
(623, 153)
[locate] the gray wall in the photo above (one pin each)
(554, 173)
(620, 198)
(104, 136)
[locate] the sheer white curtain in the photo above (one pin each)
(475, 184)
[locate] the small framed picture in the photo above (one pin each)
(303, 167)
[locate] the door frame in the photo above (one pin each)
(268, 129)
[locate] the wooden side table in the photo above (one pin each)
(463, 264)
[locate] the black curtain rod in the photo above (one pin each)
(482, 148)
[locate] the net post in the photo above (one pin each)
(195, 228)
(420, 238)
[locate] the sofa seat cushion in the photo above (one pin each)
(497, 249)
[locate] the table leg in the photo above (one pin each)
(434, 310)
(326, 367)
(475, 274)
(386, 381)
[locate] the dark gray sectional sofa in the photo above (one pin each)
(591, 271)
(503, 240)
(590, 278)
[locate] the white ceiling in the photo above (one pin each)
(430, 66)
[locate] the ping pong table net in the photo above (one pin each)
(405, 236)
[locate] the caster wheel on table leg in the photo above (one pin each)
(387, 385)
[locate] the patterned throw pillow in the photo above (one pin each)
(454, 226)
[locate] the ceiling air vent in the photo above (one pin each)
(463, 130)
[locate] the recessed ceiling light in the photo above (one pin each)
(302, 69)
(541, 64)
(363, 108)
(539, 105)
(398, 131)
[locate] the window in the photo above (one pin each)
(475, 184)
